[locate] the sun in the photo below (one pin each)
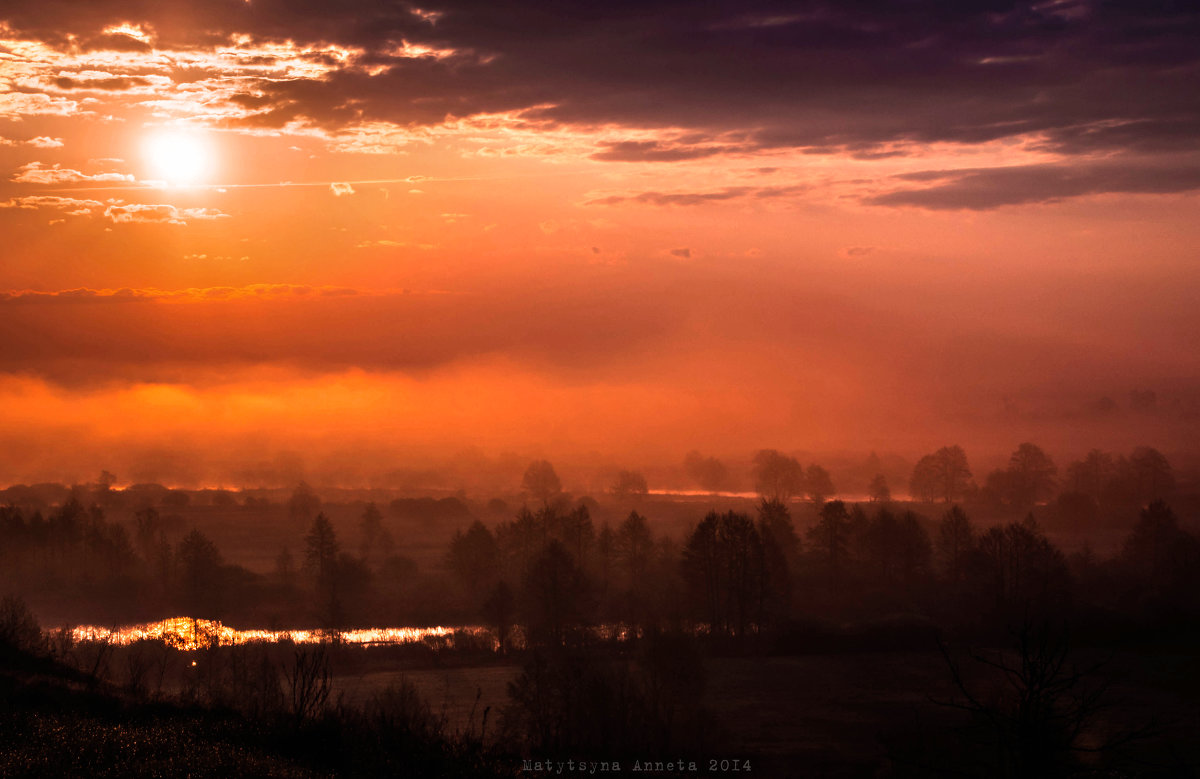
(179, 158)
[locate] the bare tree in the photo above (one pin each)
(1036, 703)
(308, 681)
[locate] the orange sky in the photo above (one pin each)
(379, 234)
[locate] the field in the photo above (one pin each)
(837, 714)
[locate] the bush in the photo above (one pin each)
(19, 629)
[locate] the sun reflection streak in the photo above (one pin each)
(189, 634)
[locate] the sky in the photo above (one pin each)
(348, 237)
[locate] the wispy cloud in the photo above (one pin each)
(115, 211)
(41, 173)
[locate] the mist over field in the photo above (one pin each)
(477, 389)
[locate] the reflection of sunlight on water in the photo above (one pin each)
(186, 633)
(846, 498)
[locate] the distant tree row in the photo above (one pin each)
(778, 477)
(1032, 477)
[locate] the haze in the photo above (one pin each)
(245, 244)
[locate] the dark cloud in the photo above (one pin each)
(653, 151)
(115, 84)
(672, 198)
(985, 188)
(860, 76)
(698, 198)
(115, 43)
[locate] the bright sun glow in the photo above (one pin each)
(179, 158)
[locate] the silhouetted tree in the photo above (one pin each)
(554, 595)
(1092, 475)
(199, 574)
(474, 560)
(605, 561)
(708, 472)
(576, 531)
(723, 569)
(1034, 711)
(914, 549)
(500, 611)
(520, 539)
(781, 553)
(777, 476)
(955, 543)
(376, 541)
(775, 522)
(285, 569)
(817, 484)
(633, 547)
(303, 503)
(829, 538)
(1152, 473)
(574, 702)
(1162, 558)
(1024, 571)
(878, 490)
(629, 484)
(19, 628)
(65, 527)
(703, 572)
(943, 475)
(540, 481)
(104, 494)
(148, 531)
(1028, 479)
(897, 548)
(321, 551)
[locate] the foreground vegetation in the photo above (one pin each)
(618, 636)
(248, 713)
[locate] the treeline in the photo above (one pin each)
(549, 572)
(742, 576)
(1078, 493)
(1031, 477)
